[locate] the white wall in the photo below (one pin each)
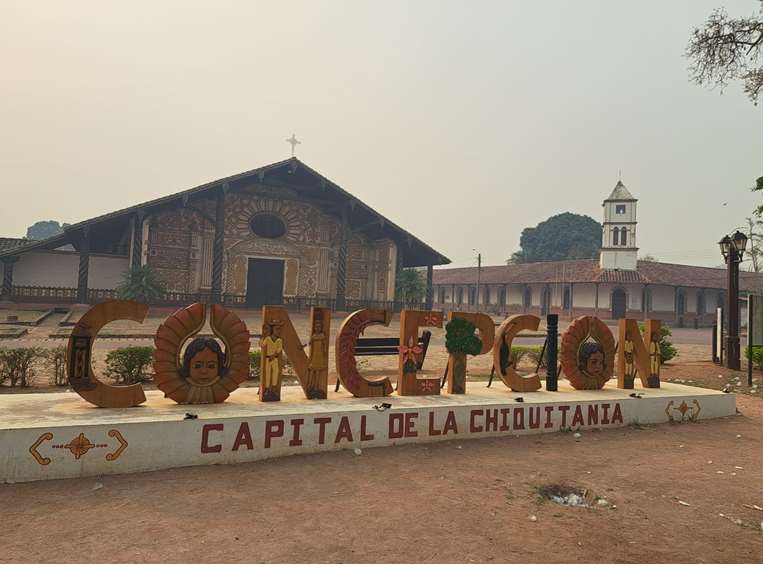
(57, 270)
(514, 295)
(106, 272)
(663, 298)
(60, 270)
(584, 295)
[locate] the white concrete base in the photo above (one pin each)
(59, 435)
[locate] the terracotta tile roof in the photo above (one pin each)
(11, 243)
(587, 270)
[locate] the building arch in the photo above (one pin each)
(615, 236)
(680, 306)
(619, 302)
(646, 300)
(527, 297)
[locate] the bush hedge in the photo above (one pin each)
(129, 365)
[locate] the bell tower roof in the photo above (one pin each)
(620, 193)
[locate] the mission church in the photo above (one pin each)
(282, 233)
(614, 286)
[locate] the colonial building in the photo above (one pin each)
(282, 233)
(614, 286)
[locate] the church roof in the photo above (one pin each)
(588, 270)
(291, 174)
(7, 243)
(620, 192)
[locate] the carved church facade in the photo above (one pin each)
(268, 236)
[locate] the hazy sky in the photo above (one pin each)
(463, 122)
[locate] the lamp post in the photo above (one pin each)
(479, 275)
(732, 249)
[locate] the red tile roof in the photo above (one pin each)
(587, 270)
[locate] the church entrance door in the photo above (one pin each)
(264, 282)
(618, 304)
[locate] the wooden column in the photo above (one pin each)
(340, 303)
(137, 240)
(84, 266)
(218, 246)
(8, 264)
(430, 289)
(596, 300)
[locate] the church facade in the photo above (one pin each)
(282, 233)
(614, 286)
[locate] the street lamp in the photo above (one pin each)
(732, 249)
(479, 274)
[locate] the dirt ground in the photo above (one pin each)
(676, 493)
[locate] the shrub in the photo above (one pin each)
(128, 365)
(57, 366)
(757, 356)
(141, 284)
(18, 365)
(530, 352)
(254, 363)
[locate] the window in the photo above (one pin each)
(566, 298)
(267, 225)
(620, 209)
(624, 236)
(616, 237)
(472, 295)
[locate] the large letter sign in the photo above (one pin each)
(502, 361)
(409, 384)
(344, 349)
(457, 361)
(312, 370)
(638, 355)
(79, 352)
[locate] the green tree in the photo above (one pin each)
(44, 229)
(726, 49)
(758, 188)
(141, 284)
(411, 286)
(460, 340)
(563, 236)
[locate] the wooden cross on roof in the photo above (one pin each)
(293, 142)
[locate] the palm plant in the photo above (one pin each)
(141, 284)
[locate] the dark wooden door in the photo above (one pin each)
(618, 304)
(264, 282)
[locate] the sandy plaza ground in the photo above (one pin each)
(674, 493)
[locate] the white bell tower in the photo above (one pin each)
(618, 238)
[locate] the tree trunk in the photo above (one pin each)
(457, 373)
